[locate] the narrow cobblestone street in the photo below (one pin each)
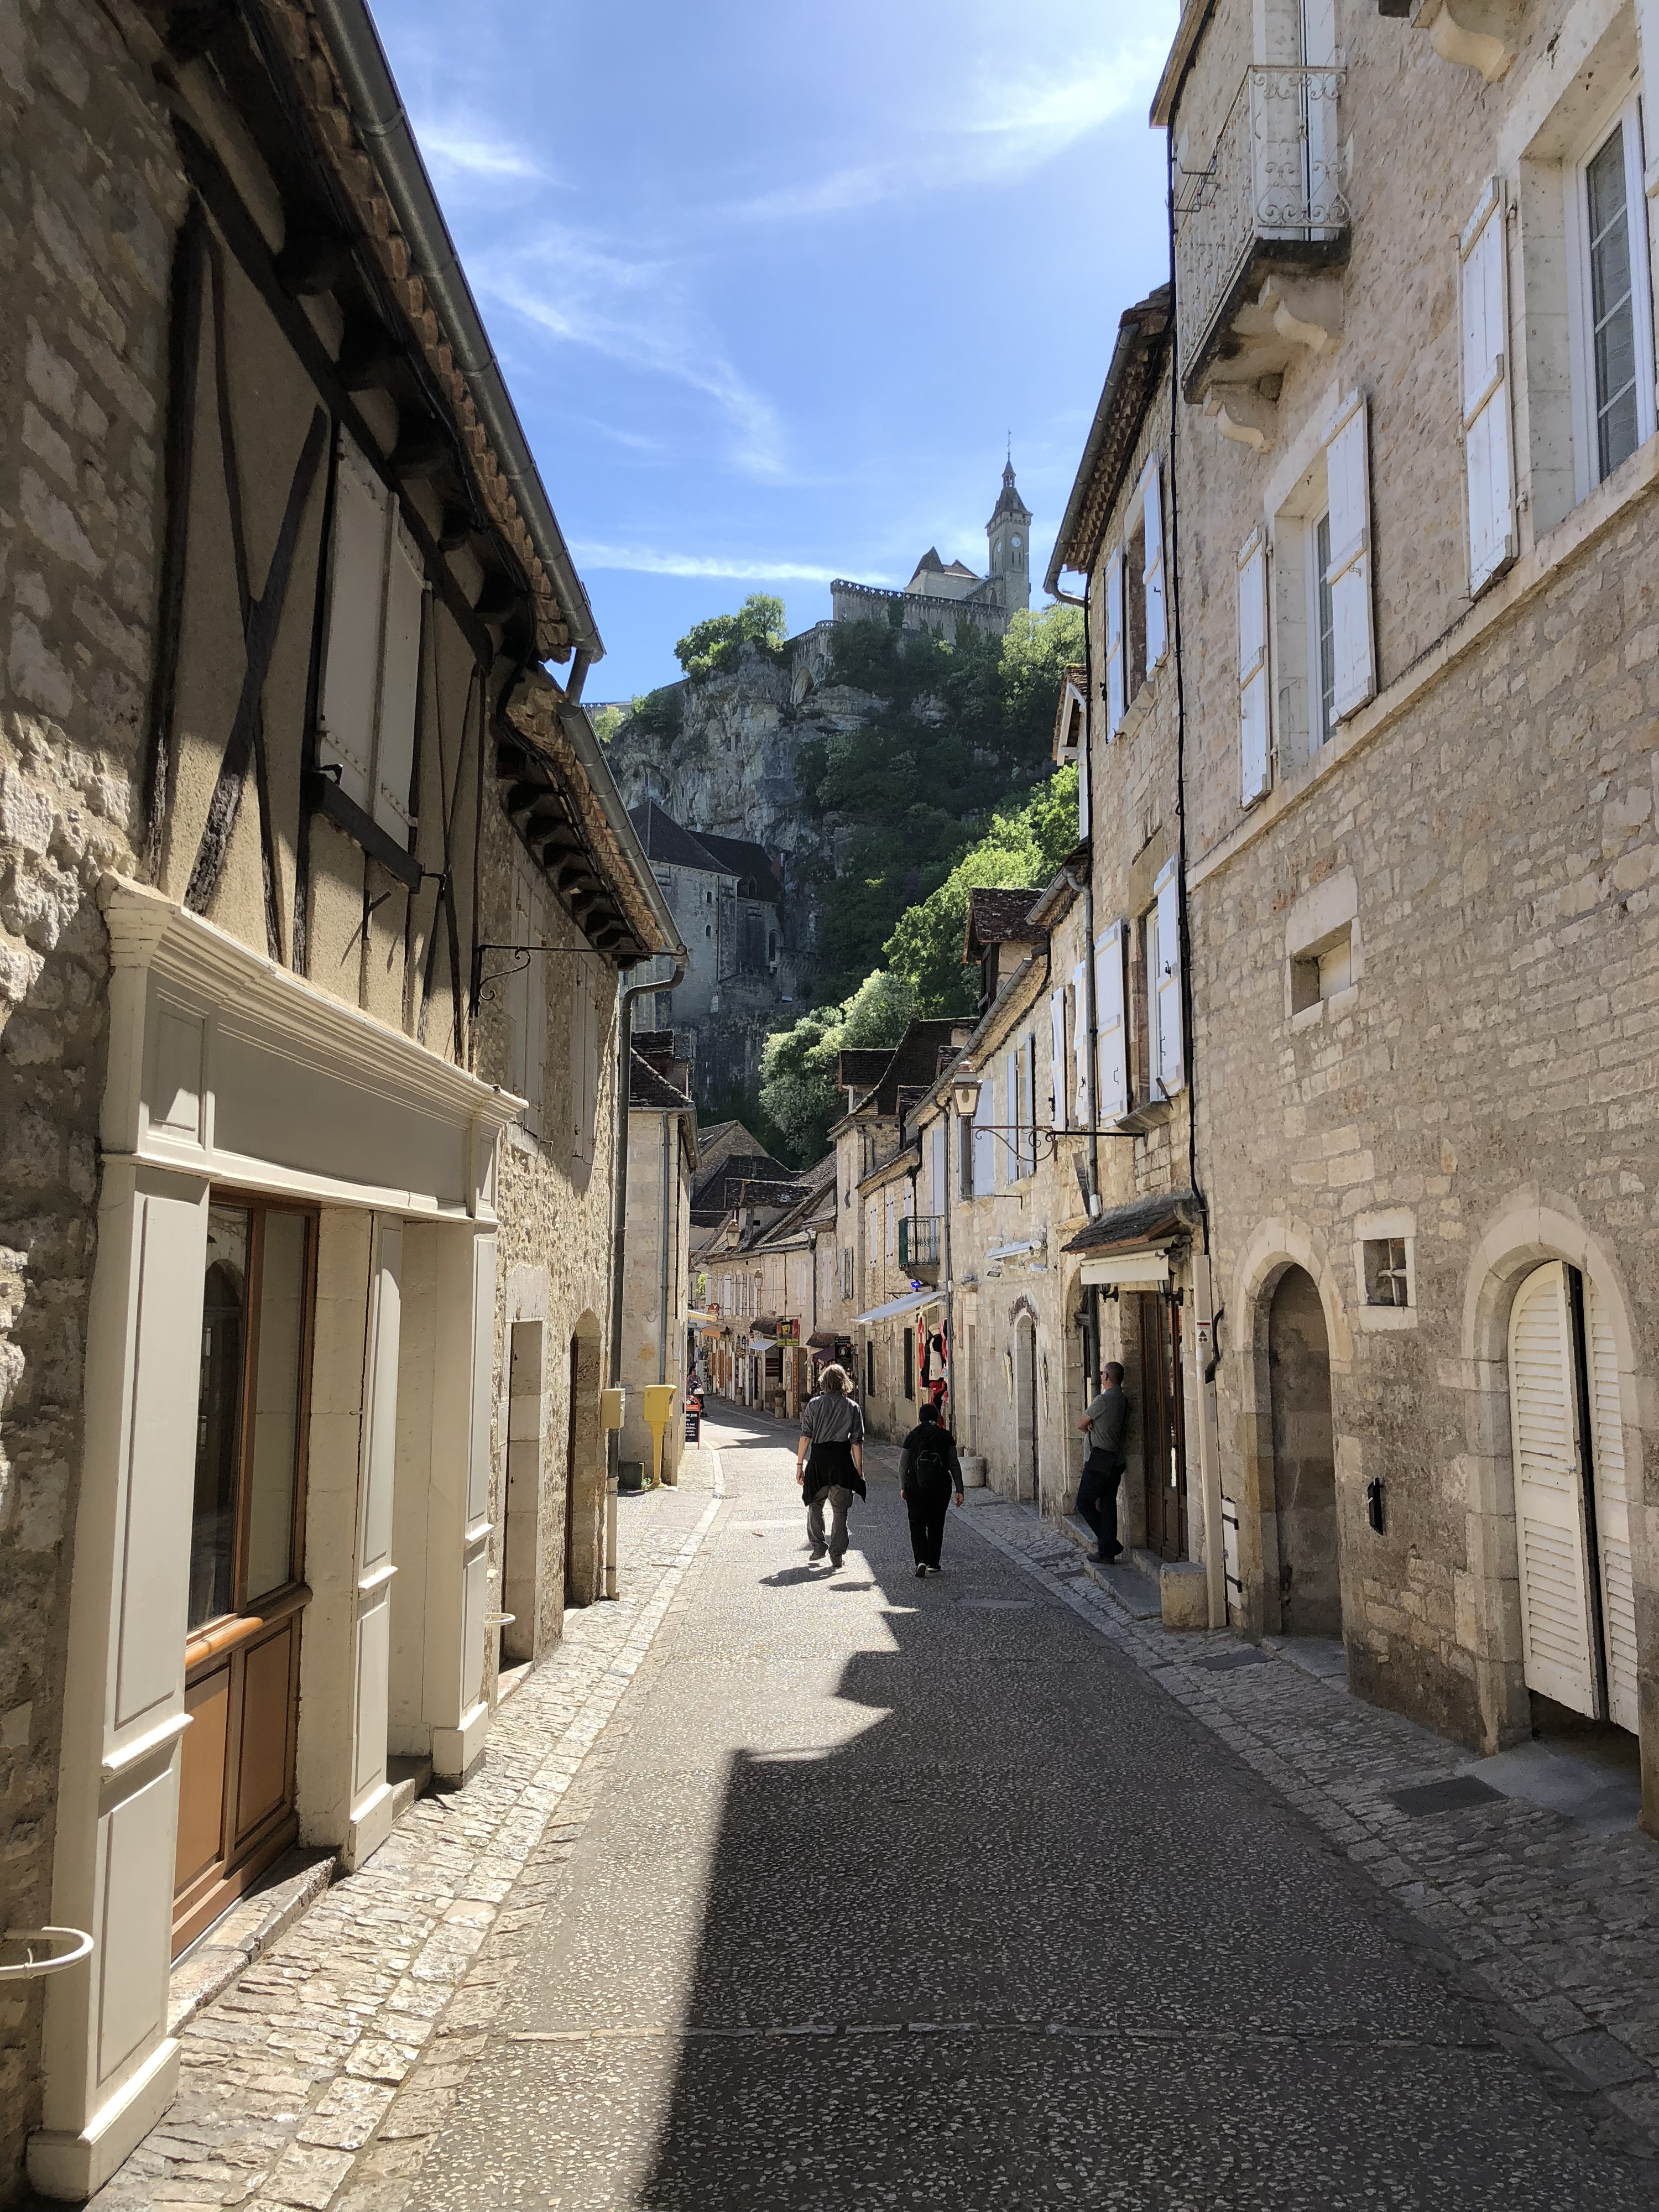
(787, 1888)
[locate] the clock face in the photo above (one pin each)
(1016, 541)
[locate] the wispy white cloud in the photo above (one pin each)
(638, 313)
(1006, 128)
(458, 152)
(642, 561)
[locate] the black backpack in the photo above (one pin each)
(930, 1462)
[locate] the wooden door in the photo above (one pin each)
(1163, 1428)
(247, 1592)
(1612, 1509)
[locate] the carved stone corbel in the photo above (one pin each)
(1305, 310)
(1243, 416)
(1480, 34)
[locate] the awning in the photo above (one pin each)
(763, 1343)
(908, 1303)
(1163, 1218)
(826, 1340)
(696, 1316)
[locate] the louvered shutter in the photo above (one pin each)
(1057, 1054)
(1254, 773)
(985, 1145)
(1114, 645)
(1084, 813)
(1171, 1055)
(351, 655)
(400, 674)
(1486, 450)
(1016, 1158)
(1611, 1510)
(1549, 1493)
(1080, 1045)
(1349, 576)
(1113, 1052)
(1157, 622)
(1030, 1105)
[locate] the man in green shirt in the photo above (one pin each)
(1106, 1424)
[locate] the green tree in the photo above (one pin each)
(798, 1093)
(1020, 849)
(716, 642)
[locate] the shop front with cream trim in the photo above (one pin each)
(241, 1103)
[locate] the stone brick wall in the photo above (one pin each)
(89, 196)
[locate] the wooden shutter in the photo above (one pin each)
(1612, 1509)
(1017, 1158)
(1349, 576)
(938, 1168)
(1084, 812)
(1549, 1493)
(1030, 1105)
(400, 672)
(1114, 645)
(1255, 767)
(1157, 622)
(1057, 1055)
(1171, 1055)
(1113, 1054)
(1487, 456)
(985, 1145)
(1080, 1044)
(351, 656)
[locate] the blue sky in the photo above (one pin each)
(772, 283)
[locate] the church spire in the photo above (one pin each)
(1008, 533)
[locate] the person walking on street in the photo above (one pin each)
(829, 1461)
(1106, 1424)
(928, 1472)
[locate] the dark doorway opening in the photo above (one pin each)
(1304, 1459)
(1162, 1425)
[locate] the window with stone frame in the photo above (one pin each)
(1388, 1273)
(1611, 297)
(1134, 610)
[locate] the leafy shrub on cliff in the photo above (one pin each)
(1020, 849)
(962, 730)
(798, 1093)
(716, 642)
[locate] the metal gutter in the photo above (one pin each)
(378, 113)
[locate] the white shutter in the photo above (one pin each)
(1017, 1158)
(1252, 753)
(1171, 1056)
(1549, 1493)
(1114, 645)
(1080, 1045)
(1348, 477)
(1611, 1510)
(1108, 1016)
(351, 655)
(985, 1145)
(1083, 809)
(1157, 622)
(1057, 1054)
(400, 674)
(1030, 1105)
(1486, 451)
(938, 1168)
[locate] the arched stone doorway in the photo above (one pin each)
(1303, 1459)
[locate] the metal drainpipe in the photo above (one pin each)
(625, 998)
(668, 1123)
(1087, 888)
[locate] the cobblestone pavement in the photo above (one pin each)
(323, 2072)
(907, 1894)
(788, 1889)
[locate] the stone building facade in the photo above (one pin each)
(1416, 573)
(314, 892)
(662, 1160)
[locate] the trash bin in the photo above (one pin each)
(630, 1476)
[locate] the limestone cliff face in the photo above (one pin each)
(728, 763)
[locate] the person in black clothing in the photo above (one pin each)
(929, 1471)
(1106, 1424)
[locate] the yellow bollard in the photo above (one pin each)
(659, 1412)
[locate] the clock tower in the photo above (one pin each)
(1008, 534)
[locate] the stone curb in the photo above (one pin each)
(247, 1933)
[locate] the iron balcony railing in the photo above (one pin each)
(919, 1242)
(1271, 193)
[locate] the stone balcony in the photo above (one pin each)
(1256, 232)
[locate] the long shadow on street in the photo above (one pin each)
(915, 1895)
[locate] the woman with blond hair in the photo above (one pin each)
(830, 1461)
